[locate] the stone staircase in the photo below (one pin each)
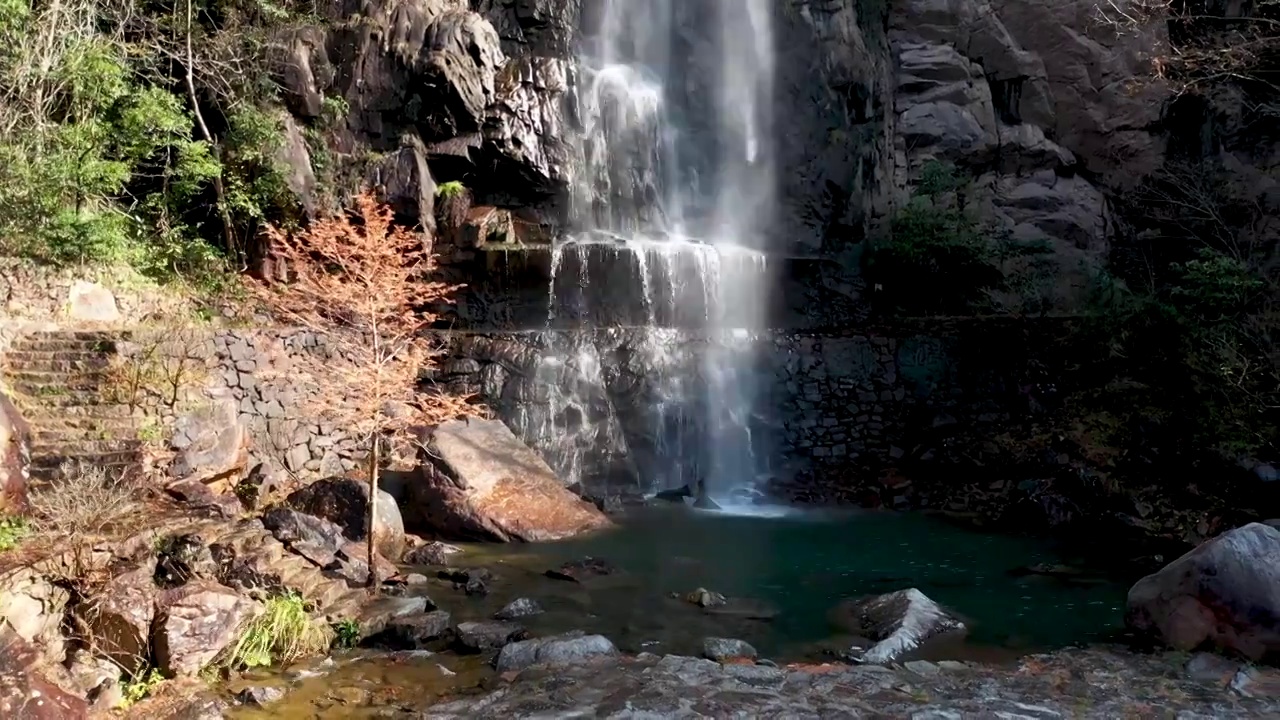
(58, 378)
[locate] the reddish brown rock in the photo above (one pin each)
(195, 623)
(1224, 594)
(15, 459)
(480, 482)
(24, 692)
(119, 617)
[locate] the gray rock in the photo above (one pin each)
(379, 614)
(473, 637)
(720, 649)
(258, 696)
(345, 501)
(570, 648)
(519, 608)
(899, 623)
(91, 302)
(292, 527)
(1225, 593)
(212, 444)
(414, 632)
(433, 553)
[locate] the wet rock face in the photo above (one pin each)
(1224, 594)
(567, 649)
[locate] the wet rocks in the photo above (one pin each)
(1224, 594)
(898, 622)
(414, 632)
(185, 558)
(480, 481)
(570, 648)
(518, 608)
(433, 553)
(345, 501)
(195, 623)
(722, 649)
(259, 696)
(705, 598)
(582, 570)
(378, 615)
(474, 581)
(474, 637)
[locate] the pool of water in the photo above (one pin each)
(801, 565)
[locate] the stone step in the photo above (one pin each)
(54, 345)
(46, 384)
(80, 447)
(76, 354)
(73, 335)
(61, 415)
(49, 467)
(62, 437)
(57, 364)
(68, 401)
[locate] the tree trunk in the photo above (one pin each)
(374, 581)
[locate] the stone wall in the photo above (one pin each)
(253, 367)
(831, 404)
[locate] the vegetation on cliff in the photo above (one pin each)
(139, 132)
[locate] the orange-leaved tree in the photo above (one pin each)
(365, 284)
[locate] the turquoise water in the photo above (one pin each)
(803, 566)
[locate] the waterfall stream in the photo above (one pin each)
(672, 207)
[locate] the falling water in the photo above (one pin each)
(675, 191)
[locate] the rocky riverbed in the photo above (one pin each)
(1077, 683)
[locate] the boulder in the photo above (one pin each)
(721, 649)
(212, 446)
(433, 553)
(898, 622)
(15, 459)
(475, 581)
(24, 692)
(118, 617)
(91, 302)
(518, 608)
(295, 528)
(582, 570)
(1225, 594)
(185, 558)
(480, 482)
(34, 607)
(345, 501)
(574, 647)
(195, 623)
(474, 637)
(378, 615)
(414, 632)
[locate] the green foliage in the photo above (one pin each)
(283, 633)
(450, 189)
(938, 259)
(140, 686)
(12, 531)
(346, 633)
(256, 186)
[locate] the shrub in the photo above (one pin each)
(284, 632)
(937, 259)
(12, 531)
(86, 502)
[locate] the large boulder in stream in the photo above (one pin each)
(898, 622)
(1225, 594)
(479, 482)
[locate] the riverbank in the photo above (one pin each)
(1074, 683)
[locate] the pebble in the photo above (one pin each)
(923, 668)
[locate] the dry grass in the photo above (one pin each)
(87, 502)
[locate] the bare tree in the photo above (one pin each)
(363, 283)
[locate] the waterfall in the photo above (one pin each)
(659, 292)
